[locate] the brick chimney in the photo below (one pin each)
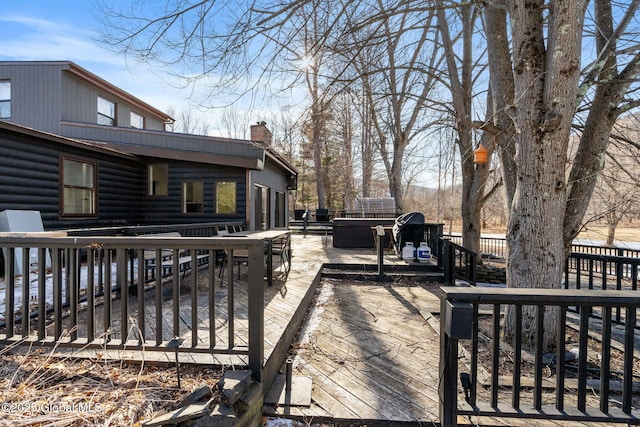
(259, 132)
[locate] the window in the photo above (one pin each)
(106, 112)
(136, 120)
(262, 208)
(158, 179)
(79, 188)
(5, 99)
(225, 197)
(192, 195)
(280, 209)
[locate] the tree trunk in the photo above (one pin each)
(545, 82)
(611, 232)
(474, 177)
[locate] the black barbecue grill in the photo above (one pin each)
(408, 228)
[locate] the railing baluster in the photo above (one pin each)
(627, 382)
(101, 271)
(517, 356)
(537, 383)
(212, 298)
(495, 356)
(159, 291)
(176, 292)
(474, 357)
(106, 320)
(582, 357)
(560, 357)
(10, 283)
(140, 297)
(42, 293)
(605, 364)
(57, 293)
(122, 272)
(91, 295)
(73, 287)
(26, 284)
(194, 297)
(230, 302)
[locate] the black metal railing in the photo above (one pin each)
(603, 383)
(497, 247)
(457, 262)
(95, 293)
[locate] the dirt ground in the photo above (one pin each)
(37, 389)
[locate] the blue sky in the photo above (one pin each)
(65, 30)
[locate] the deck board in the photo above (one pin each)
(368, 347)
(373, 353)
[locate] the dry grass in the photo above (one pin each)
(37, 388)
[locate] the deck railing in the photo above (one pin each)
(205, 229)
(457, 262)
(96, 293)
(505, 392)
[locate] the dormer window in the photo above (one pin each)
(5, 99)
(106, 112)
(136, 121)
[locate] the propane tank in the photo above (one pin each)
(409, 252)
(424, 252)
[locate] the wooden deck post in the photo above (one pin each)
(256, 310)
(447, 389)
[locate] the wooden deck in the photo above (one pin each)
(371, 349)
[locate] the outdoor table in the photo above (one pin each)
(269, 236)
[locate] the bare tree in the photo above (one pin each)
(463, 69)
(547, 209)
(187, 121)
(615, 196)
(396, 78)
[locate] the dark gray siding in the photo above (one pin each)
(179, 141)
(35, 94)
(30, 180)
(168, 209)
(274, 177)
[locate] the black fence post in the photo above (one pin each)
(448, 263)
(447, 388)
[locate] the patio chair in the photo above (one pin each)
(240, 256)
(281, 251)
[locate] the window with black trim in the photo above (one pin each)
(79, 188)
(158, 179)
(226, 197)
(5, 99)
(106, 112)
(193, 197)
(136, 120)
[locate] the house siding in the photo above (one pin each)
(272, 177)
(35, 92)
(168, 209)
(30, 180)
(80, 104)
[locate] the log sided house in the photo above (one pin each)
(85, 153)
